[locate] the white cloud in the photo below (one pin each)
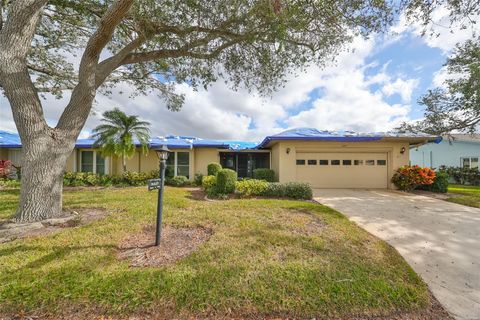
(402, 87)
(440, 33)
(341, 99)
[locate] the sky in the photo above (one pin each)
(374, 85)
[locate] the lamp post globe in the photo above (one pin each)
(162, 153)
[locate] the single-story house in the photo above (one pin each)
(458, 150)
(325, 159)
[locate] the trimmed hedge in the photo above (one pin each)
(294, 190)
(298, 190)
(178, 181)
(213, 168)
(128, 178)
(250, 187)
(264, 174)
(226, 179)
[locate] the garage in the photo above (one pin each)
(342, 170)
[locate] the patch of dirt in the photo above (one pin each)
(197, 194)
(10, 231)
(175, 244)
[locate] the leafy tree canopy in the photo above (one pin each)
(250, 42)
(455, 106)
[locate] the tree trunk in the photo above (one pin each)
(124, 163)
(44, 161)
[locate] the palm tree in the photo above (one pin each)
(115, 137)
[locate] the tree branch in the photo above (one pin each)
(15, 40)
(76, 112)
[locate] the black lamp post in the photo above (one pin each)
(162, 153)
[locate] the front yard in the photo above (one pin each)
(464, 194)
(264, 258)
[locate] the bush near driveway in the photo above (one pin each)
(294, 190)
(440, 183)
(407, 178)
(291, 259)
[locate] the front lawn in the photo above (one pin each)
(265, 257)
(466, 195)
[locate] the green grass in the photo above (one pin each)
(469, 195)
(258, 261)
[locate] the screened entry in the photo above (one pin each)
(245, 162)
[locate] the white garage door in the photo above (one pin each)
(343, 170)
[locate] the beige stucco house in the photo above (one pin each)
(325, 159)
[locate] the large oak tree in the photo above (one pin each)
(152, 44)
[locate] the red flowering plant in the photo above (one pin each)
(5, 168)
(408, 178)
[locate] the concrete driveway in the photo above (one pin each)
(440, 240)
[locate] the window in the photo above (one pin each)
(370, 162)
(469, 162)
(300, 162)
(323, 162)
(178, 164)
(312, 162)
(381, 162)
(100, 165)
(183, 161)
(358, 162)
(86, 160)
(347, 162)
(335, 162)
(92, 161)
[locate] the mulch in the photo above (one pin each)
(176, 243)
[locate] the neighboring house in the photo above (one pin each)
(325, 159)
(461, 150)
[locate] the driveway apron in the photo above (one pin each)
(440, 240)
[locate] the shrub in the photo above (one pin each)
(440, 183)
(198, 179)
(463, 175)
(275, 189)
(5, 169)
(408, 178)
(264, 174)
(177, 181)
(128, 178)
(213, 168)
(226, 179)
(209, 182)
(250, 187)
(298, 190)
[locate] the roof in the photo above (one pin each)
(12, 140)
(9, 140)
(312, 134)
(468, 137)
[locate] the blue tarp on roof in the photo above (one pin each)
(12, 140)
(9, 140)
(312, 134)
